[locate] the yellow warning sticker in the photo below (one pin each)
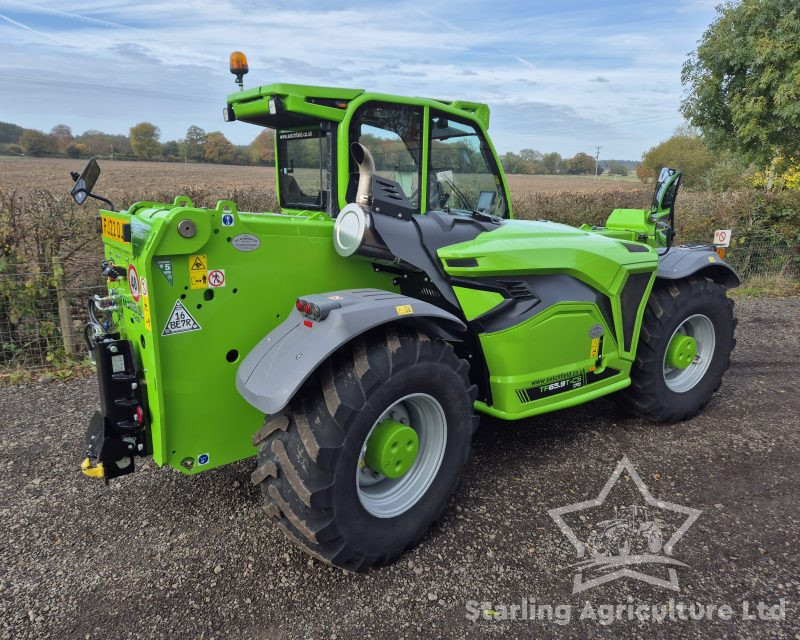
(712, 259)
(198, 271)
(198, 262)
(404, 309)
(198, 279)
(595, 348)
(146, 305)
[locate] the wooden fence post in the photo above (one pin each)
(64, 312)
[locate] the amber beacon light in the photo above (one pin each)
(239, 67)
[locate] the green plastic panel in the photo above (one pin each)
(475, 302)
(261, 263)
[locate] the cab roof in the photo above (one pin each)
(284, 105)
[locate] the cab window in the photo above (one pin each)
(393, 134)
(462, 173)
(303, 168)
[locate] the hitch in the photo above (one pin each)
(117, 432)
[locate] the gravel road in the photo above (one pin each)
(159, 555)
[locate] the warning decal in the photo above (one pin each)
(198, 263)
(198, 271)
(180, 321)
(216, 278)
(133, 283)
(145, 305)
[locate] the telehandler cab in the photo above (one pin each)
(350, 339)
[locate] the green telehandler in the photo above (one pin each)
(350, 340)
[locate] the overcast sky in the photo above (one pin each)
(558, 76)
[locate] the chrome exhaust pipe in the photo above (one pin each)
(366, 170)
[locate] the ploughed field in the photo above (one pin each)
(162, 177)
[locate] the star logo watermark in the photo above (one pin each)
(620, 546)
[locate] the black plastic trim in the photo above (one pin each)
(630, 299)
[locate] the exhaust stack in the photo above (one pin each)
(366, 170)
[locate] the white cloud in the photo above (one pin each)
(539, 68)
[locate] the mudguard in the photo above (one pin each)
(683, 261)
(279, 364)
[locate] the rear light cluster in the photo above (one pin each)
(308, 309)
(317, 307)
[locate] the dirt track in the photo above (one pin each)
(162, 555)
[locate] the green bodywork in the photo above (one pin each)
(196, 418)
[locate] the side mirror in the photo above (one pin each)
(666, 190)
(84, 183)
(662, 212)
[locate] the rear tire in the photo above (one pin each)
(309, 457)
(658, 392)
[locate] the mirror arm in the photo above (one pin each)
(102, 199)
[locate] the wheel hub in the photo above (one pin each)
(681, 351)
(392, 448)
(689, 353)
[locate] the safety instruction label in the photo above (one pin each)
(216, 278)
(180, 321)
(146, 305)
(594, 350)
(404, 309)
(198, 271)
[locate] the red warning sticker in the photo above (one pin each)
(133, 283)
(216, 278)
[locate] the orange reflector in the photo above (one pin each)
(239, 63)
(720, 252)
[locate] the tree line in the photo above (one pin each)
(535, 162)
(143, 142)
(742, 102)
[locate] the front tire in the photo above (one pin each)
(311, 460)
(694, 307)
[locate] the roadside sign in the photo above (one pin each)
(722, 237)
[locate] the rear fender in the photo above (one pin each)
(682, 262)
(284, 359)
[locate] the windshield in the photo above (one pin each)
(462, 175)
(303, 170)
